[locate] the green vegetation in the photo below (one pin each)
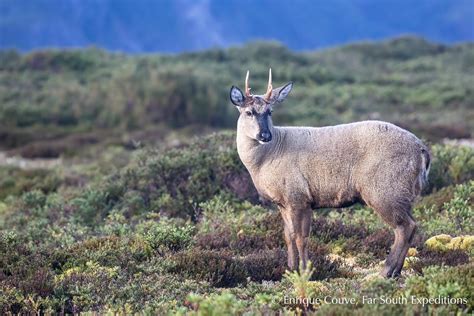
(138, 216)
(179, 229)
(90, 94)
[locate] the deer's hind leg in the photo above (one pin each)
(398, 216)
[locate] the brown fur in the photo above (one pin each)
(304, 168)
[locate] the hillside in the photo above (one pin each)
(86, 95)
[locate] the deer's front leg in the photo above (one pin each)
(290, 239)
(302, 236)
(297, 227)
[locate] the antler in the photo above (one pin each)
(268, 94)
(247, 89)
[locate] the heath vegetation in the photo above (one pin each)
(139, 215)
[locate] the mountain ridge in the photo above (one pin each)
(179, 26)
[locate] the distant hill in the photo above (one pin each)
(186, 25)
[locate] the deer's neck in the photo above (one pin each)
(255, 155)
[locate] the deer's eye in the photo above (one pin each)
(249, 113)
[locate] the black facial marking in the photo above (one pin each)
(262, 119)
(263, 129)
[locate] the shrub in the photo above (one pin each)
(245, 243)
(436, 199)
(271, 225)
(177, 182)
(324, 267)
(215, 240)
(91, 206)
(460, 209)
(300, 281)
(109, 251)
(379, 242)
(428, 257)
(164, 235)
(453, 282)
(240, 243)
(34, 199)
(266, 265)
(85, 288)
(455, 217)
(220, 269)
(450, 165)
(215, 304)
(24, 272)
(15, 181)
(328, 231)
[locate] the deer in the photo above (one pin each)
(301, 169)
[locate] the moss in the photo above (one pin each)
(438, 242)
(461, 242)
(446, 242)
(412, 252)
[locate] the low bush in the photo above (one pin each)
(456, 216)
(428, 257)
(214, 304)
(164, 235)
(268, 265)
(219, 268)
(444, 282)
(450, 165)
(328, 231)
(109, 251)
(173, 183)
(379, 242)
(15, 181)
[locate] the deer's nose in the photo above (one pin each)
(265, 136)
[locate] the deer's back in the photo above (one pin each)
(335, 166)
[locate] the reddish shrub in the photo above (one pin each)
(431, 257)
(324, 268)
(266, 265)
(219, 268)
(379, 242)
(328, 231)
(214, 241)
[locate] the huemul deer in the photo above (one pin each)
(304, 168)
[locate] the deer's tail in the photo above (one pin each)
(426, 164)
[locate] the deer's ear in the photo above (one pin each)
(283, 92)
(236, 96)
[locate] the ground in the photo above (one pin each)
(181, 230)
